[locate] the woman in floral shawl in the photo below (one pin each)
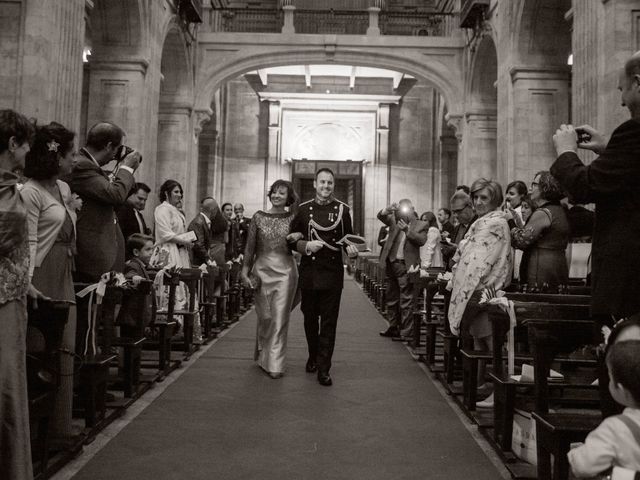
(484, 259)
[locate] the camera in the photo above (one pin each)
(121, 152)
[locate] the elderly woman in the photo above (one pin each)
(483, 260)
(545, 237)
(15, 445)
(51, 220)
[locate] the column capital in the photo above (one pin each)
(111, 64)
(201, 117)
(455, 122)
(540, 72)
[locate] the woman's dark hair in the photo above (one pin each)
(292, 197)
(430, 218)
(13, 124)
(623, 360)
(520, 187)
(167, 187)
(224, 205)
(527, 199)
(549, 187)
(136, 242)
(51, 142)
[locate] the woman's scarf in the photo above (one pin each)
(484, 260)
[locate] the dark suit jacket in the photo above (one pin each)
(416, 237)
(449, 249)
(128, 222)
(243, 233)
(448, 227)
(201, 247)
(219, 225)
(99, 240)
(131, 303)
(611, 181)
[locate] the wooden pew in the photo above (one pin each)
(504, 386)
(93, 374)
(45, 329)
(556, 431)
(209, 302)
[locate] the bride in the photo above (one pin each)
(270, 269)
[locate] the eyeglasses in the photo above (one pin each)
(459, 210)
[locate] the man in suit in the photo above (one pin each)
(447, 228)
(322, 221)
(100, 244)
(130, 216)
(242, 229)
(201, 226)
(611, 182)
(463, 212)
(401, 251)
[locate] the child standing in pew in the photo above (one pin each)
(139, 250)
(616, 441)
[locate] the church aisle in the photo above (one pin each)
(224, 419)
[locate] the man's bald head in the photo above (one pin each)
(629, 85)
(208, 206)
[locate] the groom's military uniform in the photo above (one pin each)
(322, 274)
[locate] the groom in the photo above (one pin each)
(322, 221)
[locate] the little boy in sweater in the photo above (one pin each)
(616, 441)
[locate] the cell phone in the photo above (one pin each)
(583, 136)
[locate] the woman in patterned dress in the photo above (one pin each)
(270, 269)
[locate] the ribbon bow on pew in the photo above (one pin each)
(98, 290)
(490, 296)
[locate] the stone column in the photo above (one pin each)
(117, 93)
(374, 28)
(479, 152)
(41, 59)
(205, 143)
(448, 169)
(377, 188)
(174, 158)
(539, 104)
(288, 26)
(274, 168)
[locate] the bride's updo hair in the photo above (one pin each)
(292, 197)
(167, 187)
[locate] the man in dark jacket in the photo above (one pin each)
(401, 251)
(100, 244)
(462, 209)
(130, 216)
(611, 182)
(201, 226)
(323, 222)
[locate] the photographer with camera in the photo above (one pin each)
(100, 244)
(401, 251)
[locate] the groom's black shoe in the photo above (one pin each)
(311, 366)
(389, 332)
(324, 379)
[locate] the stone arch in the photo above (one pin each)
(480, 154)
(540, 31)
(435, 73)
(119, 24)
(175, 142)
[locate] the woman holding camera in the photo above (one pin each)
(51, 221)
(274, 275)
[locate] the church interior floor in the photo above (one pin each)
(223, 418)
